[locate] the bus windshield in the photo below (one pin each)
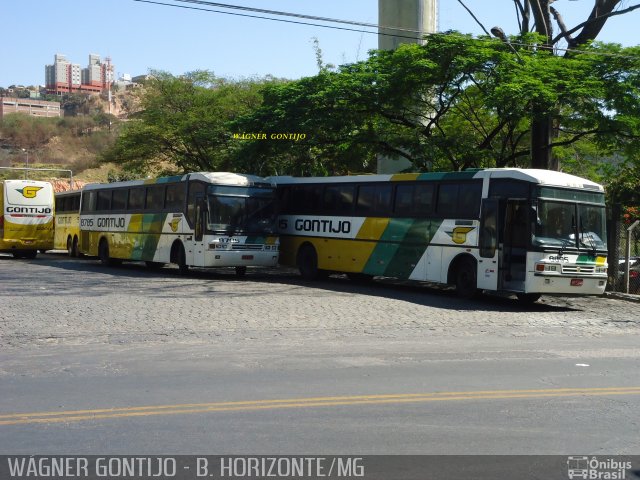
(561, 224)
(241, 210)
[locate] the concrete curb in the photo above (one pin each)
(623, 296)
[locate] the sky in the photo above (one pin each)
(148, 36)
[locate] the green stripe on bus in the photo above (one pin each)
(447, 175)
(152, 224)
(412, 248)
(387, 246)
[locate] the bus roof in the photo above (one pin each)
(219, 178)
(537, 176)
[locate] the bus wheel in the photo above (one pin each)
(466, 281)
(241, 271)
(18, 255)
(181, 260)
(528, 298)
(308, 263)
(70, 250)
(103, 255)
(74, 246)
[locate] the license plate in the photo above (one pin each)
(577, 282)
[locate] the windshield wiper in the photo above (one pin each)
(590, 239)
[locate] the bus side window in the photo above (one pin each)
(89, 202)
(174, 197)
(489, 228)
(155, 198)
(136, 198)
(104, 200)
(119, 200)
(196, 189)
(404, 200)
(338, 199)
(447, 200)
(423, 199)
(374, 200)
(469, 200)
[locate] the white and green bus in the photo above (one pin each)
(195, 220)
(524, 231)
(26, 217)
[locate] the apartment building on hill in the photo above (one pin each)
(66, 77)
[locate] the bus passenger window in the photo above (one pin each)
(155, 198)
(469, 200)
(196, 189)
(447, 199)
(136, 198)
(119, 201)
(404, 200)
(104, 200)
(423, 199)
(338, 199)
(174, 197)
(366, 199)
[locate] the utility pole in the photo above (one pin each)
(412, 19)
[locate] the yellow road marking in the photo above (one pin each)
(256, 405)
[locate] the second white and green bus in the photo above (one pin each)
(210, 219)
(524, 231)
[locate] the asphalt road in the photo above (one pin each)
(126, 360)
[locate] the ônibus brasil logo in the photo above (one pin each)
(29, 192)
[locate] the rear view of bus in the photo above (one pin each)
(26, 217)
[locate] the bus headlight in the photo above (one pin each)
(601, 270)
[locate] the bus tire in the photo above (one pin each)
(528, 298)
(180, 258)
(103, 254)
(466, 278)
(76, 249)
(70, 248)
(241, 271)
(307, 261)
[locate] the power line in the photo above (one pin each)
(340, 21)
(366, 25)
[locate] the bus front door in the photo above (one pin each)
(514, 251)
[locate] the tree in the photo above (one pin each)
(454, 103)
(184, 122)
(538, 15)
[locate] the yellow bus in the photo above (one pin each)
(67, 231)
(210, 219)
(522, 231)
(26, 217)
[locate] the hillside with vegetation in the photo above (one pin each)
(74, 142)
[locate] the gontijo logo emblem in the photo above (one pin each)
(174, 224)
(29, 192)
(459, 234)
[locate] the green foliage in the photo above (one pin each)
(455, 102)
(184, 121)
